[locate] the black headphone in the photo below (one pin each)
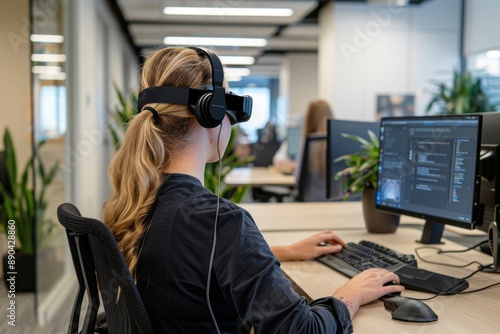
(209, 105)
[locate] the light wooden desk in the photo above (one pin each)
(258, 176)
(311, 216)
(468, 313)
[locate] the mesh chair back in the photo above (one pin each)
(95, 252)
(311, 180)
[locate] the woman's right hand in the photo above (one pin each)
(366, 287)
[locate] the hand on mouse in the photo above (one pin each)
(309, 247)
(366, 287)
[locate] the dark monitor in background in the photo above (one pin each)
(489, 169)
(337, 146)
(294, 138)
(311, 177)
(428, 168)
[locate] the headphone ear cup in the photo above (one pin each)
(203, 113)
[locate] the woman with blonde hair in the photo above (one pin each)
(200, 263)
(316, 118)
(315, 122)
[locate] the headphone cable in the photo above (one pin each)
(214, 242)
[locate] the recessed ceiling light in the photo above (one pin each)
(235, 78)
(47, 38)
(46, 69)
(237, 71)
(47, 57)
(55, 76)
(227, 11)
(493, 54)
(215, 41)
(237, 60)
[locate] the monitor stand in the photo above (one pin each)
(432, 233)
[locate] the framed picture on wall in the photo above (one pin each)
(395, 105)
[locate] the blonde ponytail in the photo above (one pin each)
(146, 150)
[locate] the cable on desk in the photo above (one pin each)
(440, 251)
(481, 268)
(464, 250)
(480, 289)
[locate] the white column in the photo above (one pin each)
(298, 83)
(326, 53)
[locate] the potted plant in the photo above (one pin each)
(229, 161)
(464, 96)
(360, 175)
(121, 115)
(22, 213)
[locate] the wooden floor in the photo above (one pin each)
(25, 315)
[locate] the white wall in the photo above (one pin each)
(298, 82)
(15, 112)
(382, 49)
(326, 53)
(96, 62)
(481, 26)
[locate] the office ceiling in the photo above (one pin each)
(146, 26)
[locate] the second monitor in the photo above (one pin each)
(428, 168)
(338, 145)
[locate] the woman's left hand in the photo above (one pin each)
(310, 247)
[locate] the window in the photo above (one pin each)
(260, 111)
(52, 114)
(486, 65)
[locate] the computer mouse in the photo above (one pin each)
(391, 294)
(406, 309)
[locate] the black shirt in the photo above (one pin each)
(247, 287)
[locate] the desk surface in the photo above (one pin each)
(297, 216)
(467, 313)
(258, 176)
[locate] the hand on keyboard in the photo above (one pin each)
(311, 247)
(356, 257)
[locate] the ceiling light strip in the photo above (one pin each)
(47, 57)
(215, 41)
(228, 11)
(237, 60)
(47, 38)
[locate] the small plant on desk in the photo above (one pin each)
(361, 175)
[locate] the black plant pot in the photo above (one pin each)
(377, 221)
(24, 279)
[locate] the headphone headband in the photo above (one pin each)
(209, 106)
(215, 63)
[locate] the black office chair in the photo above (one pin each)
(311, 178)
(102, 272)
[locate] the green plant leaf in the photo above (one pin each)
(362, 165)
(465, 95)
(21, 204)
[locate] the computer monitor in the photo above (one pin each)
(294, 138)
(489, 169)
(428, 168)
(337, 146)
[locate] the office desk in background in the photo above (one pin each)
(284, 223)
(257, 177)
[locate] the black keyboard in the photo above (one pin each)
(356, 257)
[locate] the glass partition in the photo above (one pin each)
(48, 69)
